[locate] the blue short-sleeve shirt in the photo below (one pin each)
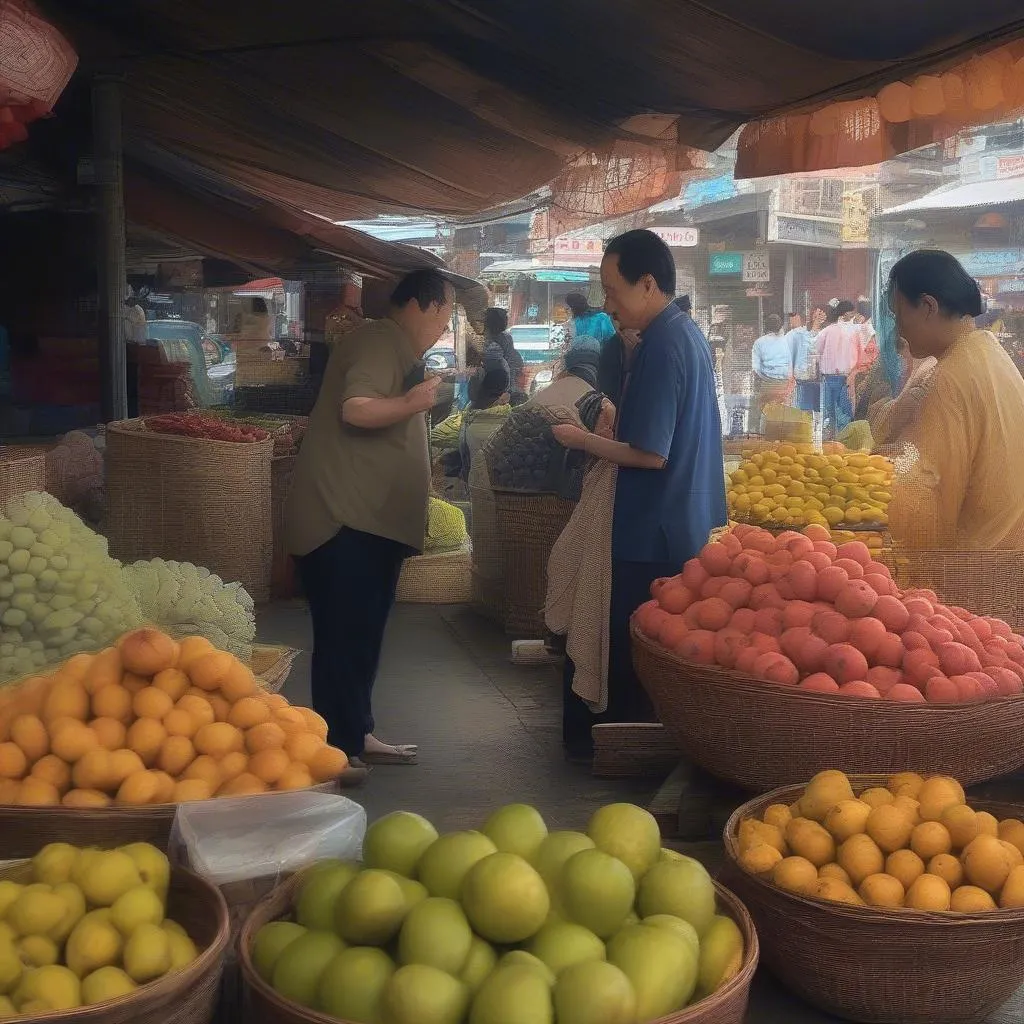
(670, 408)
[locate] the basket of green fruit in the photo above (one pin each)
(510, 923)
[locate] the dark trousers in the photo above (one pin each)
(350, 583)
(627, 699)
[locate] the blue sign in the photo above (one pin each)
(714, 190)
(720, 263)
(993, 262)
(533, 312)
(562, 275)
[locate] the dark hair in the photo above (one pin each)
(427, 287)
(495, 320)
(940, 275)
(489, 384)
(789, 316)
(577, 303)
(643, 252)
(684, 303)
(844, 306)
(773, 322)
(864, 308)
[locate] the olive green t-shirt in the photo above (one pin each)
(375, 481)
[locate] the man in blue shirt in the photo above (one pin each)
(670, 492)
(805, 359)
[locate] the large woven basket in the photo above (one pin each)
(20, 473)
(487, 584)
(529, 525)
(272, 665)
(283, 580)
(444, 578)
(878, 966)
(206, 502)
(25, 830)
(264, 1006)
(188, 996)
(762, 736)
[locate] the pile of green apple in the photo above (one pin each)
(507, 925)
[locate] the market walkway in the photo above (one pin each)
(489, 733)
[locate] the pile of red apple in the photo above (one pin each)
(797, 610)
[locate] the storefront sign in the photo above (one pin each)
(1014, 284)
(680, 238)
(759, 293)
(1010, 166)
(720, 263)
(805, 231)
(993, 262)
(755, 266)
(590, 245)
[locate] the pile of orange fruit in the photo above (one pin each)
(152, 720)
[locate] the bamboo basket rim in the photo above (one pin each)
(206, 959)
(876, 915)
(726, 900)
(718, 674)
(138, 426)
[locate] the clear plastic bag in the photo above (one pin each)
(233, 840)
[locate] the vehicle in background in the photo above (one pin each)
(440, 360)
(208, 355)
(541, 346)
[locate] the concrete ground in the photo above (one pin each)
(489, 734)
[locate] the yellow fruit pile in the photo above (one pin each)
(154, 721)
(89, 926)
(913, 843)
(794, 485)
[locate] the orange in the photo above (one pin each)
(147, 651)
(9, 790)
(219, 739)
(113, 701)
(199, 708)
(110, 732)
(30, 734)
(13, 763)
(221, 708)
(191, 789)
(133, 683)
(296, 777)
(233, 765)
(249, 712)
(206, 769)
(274, 701)
(37, 793)
(301, 746)
(164, 788)
(7, 715)
(70, 740)
(137, 789)
(67, 699)
(316, 725)
(31, 694)
(269, 765)
(105, 669)
(173, 682)
(191, 649)
(146, 737)
(53, 770)
(151, 702)
(85, 798)
(327, 764)
(178, 722)
(176, 755)
(77, 667)
(208, 670)
(242, 785)
(94, 771)
(290, 720)
(238, 682)
(124, 764)
(266, 736)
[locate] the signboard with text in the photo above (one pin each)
(993, 262)
(721, 263)
(590, 245)
(1010, 166)
(681, 238)
(755, 267)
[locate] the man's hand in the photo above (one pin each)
(422, 397)
(570, 436)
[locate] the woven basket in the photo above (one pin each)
(283, 580)
(25, 830)
(206, 502)
(188, 996)
(487, 583)
(529, 525)
(989, 580)
(264, 1006)
(272, 665)
(879, 966)
(444, 578)
(762, 736)
(20, 473)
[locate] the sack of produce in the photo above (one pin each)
(446, 527)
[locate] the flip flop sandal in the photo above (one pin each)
(405, 753)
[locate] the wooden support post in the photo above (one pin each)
(110, 245)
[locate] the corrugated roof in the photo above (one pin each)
(972, 196)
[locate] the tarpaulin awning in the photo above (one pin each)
(457, 106)
(959, 197)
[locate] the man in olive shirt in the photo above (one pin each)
(358, 502)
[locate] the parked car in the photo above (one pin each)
(541, 346)
(208, 355)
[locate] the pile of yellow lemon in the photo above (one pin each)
(795, 485)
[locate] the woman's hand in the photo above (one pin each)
(570, 436)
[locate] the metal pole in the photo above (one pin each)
(110, 245)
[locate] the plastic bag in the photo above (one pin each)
(231, 840)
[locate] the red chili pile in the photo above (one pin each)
(207, 428)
